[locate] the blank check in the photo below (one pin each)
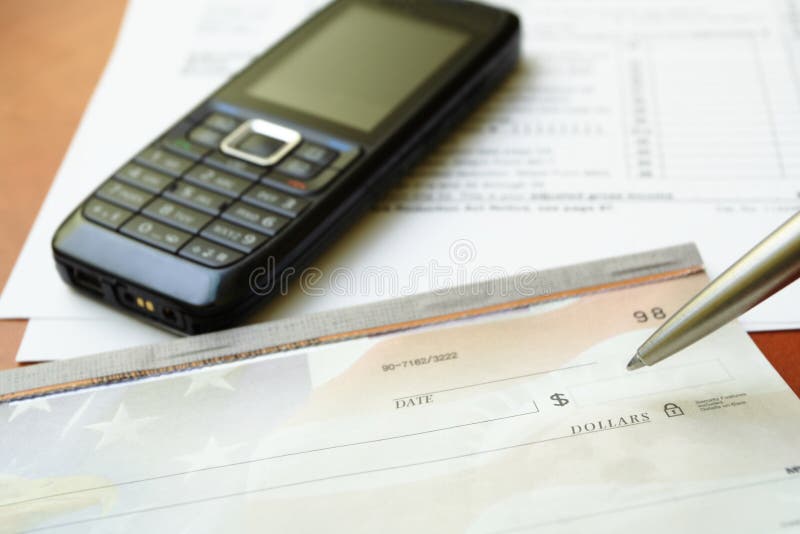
(512, 417)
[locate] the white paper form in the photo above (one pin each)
(55, 339)
(628, 126)
(522, 421)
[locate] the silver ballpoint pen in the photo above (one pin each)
(767, 268)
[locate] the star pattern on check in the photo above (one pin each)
(19, 408)
(209, 378)
(121, 427)
(77, 415)
(211, 455)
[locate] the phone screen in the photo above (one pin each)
(359, 66)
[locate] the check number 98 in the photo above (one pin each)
(654, 314)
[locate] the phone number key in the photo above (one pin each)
(105, 213)
(209, 253)
(255, 218)
(124, 195)
(155, 233)
(197, 197)
(234, 236)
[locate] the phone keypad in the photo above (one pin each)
(298, 168)
(206, 136)
(260, 220)
(208, 253)
(197, 197)
(221, 122)
(155, 233)
(294, 184)
(106, 214)
(164, 161)
(233, 165)
(234, 236)
(142, 177)
(177, 215)
(217, 180)
(124, 195)
(184, 196)
(315, 153)
(271, 199)
(185, 147)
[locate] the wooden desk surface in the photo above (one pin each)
(51, 56)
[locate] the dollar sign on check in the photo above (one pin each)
(559, 399)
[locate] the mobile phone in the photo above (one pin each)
(264, 173)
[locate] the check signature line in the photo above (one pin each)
(622, 509)
(327, 478)
(267, 458)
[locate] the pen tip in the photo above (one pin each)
(635, 363)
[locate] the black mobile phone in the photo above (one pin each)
(259, 177)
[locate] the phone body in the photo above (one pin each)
(198, 227)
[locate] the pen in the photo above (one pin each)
(764, 270)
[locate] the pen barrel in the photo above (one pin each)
(764, 270)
